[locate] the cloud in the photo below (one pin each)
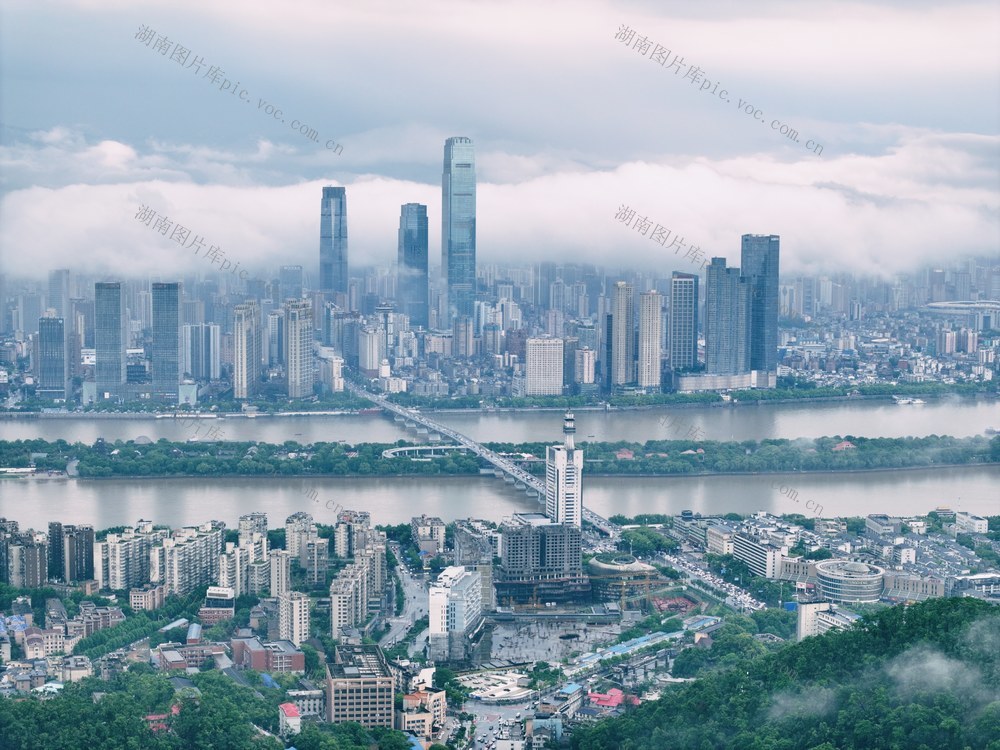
(814, 701)
(923, 670)
(927, 196)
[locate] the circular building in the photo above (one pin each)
(614, 574)
(846, 581)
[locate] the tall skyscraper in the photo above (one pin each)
(621, 335)
(201, 351)
(759, 262)
(412, 286)
(166, 349)
(543, 367)
(246, 350)
(333, 241)
(458, 224)
(564, 478)
(110, 339)
(59, 292)
(53, 366)
(299, 348)
(650, 337)
(727, 318)
(683, 321)
(290, 278)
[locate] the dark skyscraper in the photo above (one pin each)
(458, 224)
(333, 241)
(683, 321)
(412, 264)
(166, 349)
(110, 339)
(759, 262)
(53, 359)
(290, 278)
(727, 314)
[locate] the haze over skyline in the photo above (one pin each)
(568, 122)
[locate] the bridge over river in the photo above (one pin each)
(502, 466)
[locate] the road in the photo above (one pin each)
(414, 606)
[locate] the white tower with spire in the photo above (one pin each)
(564, 478)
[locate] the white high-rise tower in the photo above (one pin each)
(564, 479)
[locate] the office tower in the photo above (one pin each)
(650, 338)
(53, 364)
(290, 278)
(59, 292)
(299, 348)
(360, 687)
(29, 310)
(759, 264)
(246, 350)
(411, 264)
(454, 609)
(540, 561)
(276, 338)
(333, 241)
(683, 321)
(621, 336)
(202, 351)
(564, 478)
(293, 617)
(281, 572)
(727, 320)
(110, 339)
(458, 224)
(805, 296)
(166, 348)
(543, 367)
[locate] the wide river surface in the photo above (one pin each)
(179, 501)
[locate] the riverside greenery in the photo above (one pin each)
(653, 457)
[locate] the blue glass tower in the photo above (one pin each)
(333, 241)
(110, 339)
(458, 224)
(759, 265)
(412, 264)
(166, 348)
(727, 316)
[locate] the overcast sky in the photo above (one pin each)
(569, 124)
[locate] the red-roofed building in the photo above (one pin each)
(612, 699)
(624, 455)
(289, 720)
(844, 445)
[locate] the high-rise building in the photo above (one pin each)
(202, 351)
(455, 609)
(246, 350)
(59, 292)
(411, 265)
(281, 572)
(166, 347)
(683, 321)
(759, 265)
(333, 276)
(621, 336)
(299, 348)
(360, 687)
(29, 310)
(53, 365)
(543, 367)
(293, 617)
(458, 224)
(290, 278)
(564, 478)
(727, 317)
(540, 561)
(110, 340)
(586, 361)
(276, 338)
(77, 553)
(188, 558)
(650, 339)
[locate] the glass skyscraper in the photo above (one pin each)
(458, 224)
(110, 339)
(53, 362)
(683, 321)
(166, 348)
(59, 292)
(727, 317)
(333, 241)
(412, 264)
(759, 262)
(290, 279)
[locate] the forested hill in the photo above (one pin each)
(924, 677)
